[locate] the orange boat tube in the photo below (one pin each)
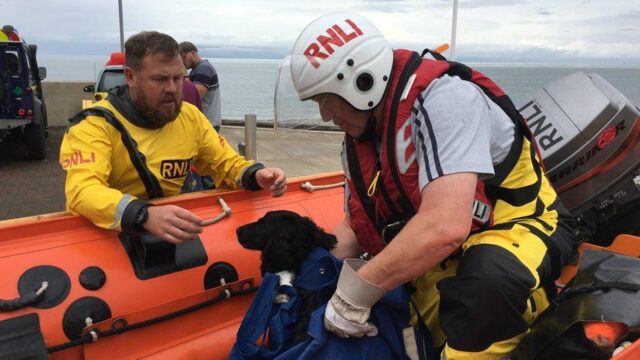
(172, 303)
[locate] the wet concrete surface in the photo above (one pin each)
(30, 187)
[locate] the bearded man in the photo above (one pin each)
(140, 142)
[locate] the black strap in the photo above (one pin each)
(555, 255)
(428, 346)
(620, 285)
(522, 195)
(395, 214)
(358, 180)
(151, 183)
(435, 55)
(521, 131)
(503, 169)
(533, 217)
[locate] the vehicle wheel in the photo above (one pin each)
(45, 121)
(35, 138)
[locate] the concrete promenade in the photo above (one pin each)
(36, 187)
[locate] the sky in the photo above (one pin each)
(590, 32)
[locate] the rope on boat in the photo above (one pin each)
(223, 282)
(26, 300)
(94, 334)
(226, 211)
(307, 186)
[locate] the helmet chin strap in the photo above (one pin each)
(370, 131)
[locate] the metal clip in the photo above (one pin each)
(391, 230)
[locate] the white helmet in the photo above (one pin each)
(342, 54)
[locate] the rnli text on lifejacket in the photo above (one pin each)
(174, 169)
(77, 158)
(337, 37)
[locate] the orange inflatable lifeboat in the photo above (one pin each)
(83, 292)
(152, 302)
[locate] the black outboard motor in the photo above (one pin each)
(588, 134)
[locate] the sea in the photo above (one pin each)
(248, 86)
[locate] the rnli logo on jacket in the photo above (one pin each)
(323, 47)
(175, 169)
(405, 153)
(78, 158)
(481, 211)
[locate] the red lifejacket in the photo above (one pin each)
(396, 196)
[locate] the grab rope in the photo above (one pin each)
(26, 300)
(227, 293)
(94, 334)
(226, 211)
(307, 186)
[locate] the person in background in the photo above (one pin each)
(193, 182)
(444, 191)
(205, 77)
(190, 93)
(139, 144)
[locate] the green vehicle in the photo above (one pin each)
(23, 111)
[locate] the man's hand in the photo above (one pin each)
(272, 179)
(347, 246)
(172, 223)
(350, 306)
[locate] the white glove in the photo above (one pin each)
(350, 306)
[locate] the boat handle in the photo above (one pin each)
(307, 186)
(226, 211)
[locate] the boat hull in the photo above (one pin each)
(71, 244)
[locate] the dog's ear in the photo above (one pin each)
(318, 236)
(326, 240)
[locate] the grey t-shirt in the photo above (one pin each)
(455, 128)
(204, 73)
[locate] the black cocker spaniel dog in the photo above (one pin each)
(285, 239)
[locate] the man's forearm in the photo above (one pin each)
(438, 229)
(414, 251)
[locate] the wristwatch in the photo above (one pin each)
(141, 217)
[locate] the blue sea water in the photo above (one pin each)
(248, 86)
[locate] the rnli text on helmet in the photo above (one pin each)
(337, 36)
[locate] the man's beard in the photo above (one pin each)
(156, 115)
